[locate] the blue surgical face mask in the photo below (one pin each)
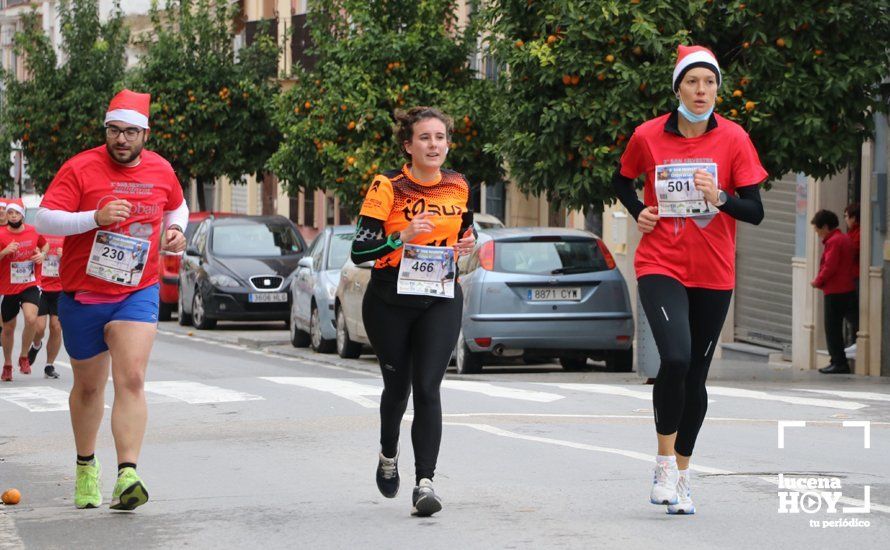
(692, 117)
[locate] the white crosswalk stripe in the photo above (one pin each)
(764, 396)
(864, 395)
(196, 393)
(604, 389)
(504, 392)
(346, 389)
(36, 398)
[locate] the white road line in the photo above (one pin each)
(346, 389)
(646, 418)
(9, 537)
(645, 457)
(492, 390)
(763, 396)
(196, 393)
(280, 356)
(36, 398)
(864, 395)
(604, 389)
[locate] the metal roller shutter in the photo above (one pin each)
(763, 270)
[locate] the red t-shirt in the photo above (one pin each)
(697, 252)
(89, 181)
(48, 281)
(18, 272)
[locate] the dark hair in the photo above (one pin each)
(825, 217)
(405, 121)
(852, 210)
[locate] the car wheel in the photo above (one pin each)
(574, 364)
(199, 314)
(346, 348)
(298, 338)
(184, 319)
(620, 360)
(466, 361)
(316, 341)
(165, 311)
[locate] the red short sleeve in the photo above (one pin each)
(746, 167)
(633, 160)
(64, 192)
(174, 194)
(379, 200)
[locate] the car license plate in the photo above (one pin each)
(554, 294)
(267, 297)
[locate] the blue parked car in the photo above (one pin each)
(543, 292)
(313, 288)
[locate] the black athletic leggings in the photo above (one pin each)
(413, 337)
(686, 323)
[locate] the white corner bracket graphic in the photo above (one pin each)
(866, 430)
(788, 424)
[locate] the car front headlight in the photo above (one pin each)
(223, 281)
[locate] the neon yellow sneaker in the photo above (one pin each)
(129, 491)
(87, 492)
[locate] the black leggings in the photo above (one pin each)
(413, 337)
(686, 323)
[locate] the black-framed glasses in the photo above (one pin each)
(130, 134)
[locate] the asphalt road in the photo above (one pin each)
(252, 443)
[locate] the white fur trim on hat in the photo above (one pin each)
(2, 204)
(18, 208)
(129, 116)
(696, 57)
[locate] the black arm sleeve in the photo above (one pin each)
(370, 242)
(627, 194)
(747, 207)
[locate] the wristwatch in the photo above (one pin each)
(394, 239)
(721, 198)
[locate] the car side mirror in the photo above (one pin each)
(192, 251)
(305, 262)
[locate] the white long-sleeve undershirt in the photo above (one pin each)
(62, 223)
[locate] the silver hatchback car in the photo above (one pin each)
(543, 292)
(313, 288)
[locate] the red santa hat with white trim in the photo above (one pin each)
(130, 107)
(690, 57)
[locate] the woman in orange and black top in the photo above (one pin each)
(411, 324)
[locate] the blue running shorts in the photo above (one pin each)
(83, 325)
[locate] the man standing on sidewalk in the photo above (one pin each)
(836, 279)
(108, 202)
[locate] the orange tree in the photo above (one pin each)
(57, 111)
(800, 75)
(374, 57)
(211, 109)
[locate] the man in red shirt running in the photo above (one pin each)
(108, 202)
(21, 252)
(48, 308)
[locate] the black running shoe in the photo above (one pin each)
(32, 353)
(49, 371)
(425, 501)
(388, 475)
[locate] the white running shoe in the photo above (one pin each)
(664, 483)
(850, 352)
(685, 506)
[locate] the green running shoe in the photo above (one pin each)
(129, 491)
(87, 493)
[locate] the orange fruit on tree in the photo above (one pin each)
(575, 79)
(11, 496)
(610, 58)
(737, 93)
(307, 105)
(744, 82)
(351, 125)
(552, 39)
(818, 52)
(567, 80)
(601, 77)
(780, 42)
(638, 51)
(519, 43)
(733, 113)
(749, 106)
(746, 45)
(719, 100)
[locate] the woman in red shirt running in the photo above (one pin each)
(702, 174)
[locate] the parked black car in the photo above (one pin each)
(239, 268)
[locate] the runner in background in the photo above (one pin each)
(51, 287)
(413, 223)
(702, 174)
(21, 252)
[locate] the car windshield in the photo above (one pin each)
(489, 225)
(550, 258)
(255, 239)
(341, 243)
